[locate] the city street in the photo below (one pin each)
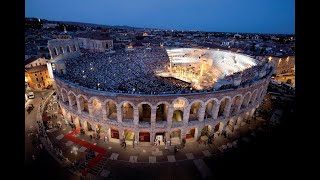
(44, 166)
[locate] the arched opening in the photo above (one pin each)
(235, 105)
(195, 111)
(144, 113)
(114, 133)
(76, 122)
(246, 100)
(129, 136)
(88, 127)
(175, 137)
(253, 97)
(75, 47)
(73, 101)
(96, 108)
(144, 136)
(190, 133)
(209, 113)
(229, 128)
(206, 130)
(160, 136)
(127, 111)
(83, 104)
(68, 49)
(64, 96)
(161, 114)
(55, 50)
(61, 49)
(99, 132)
(218, 128)
(223, 107)
(111, 110)
(177, 116)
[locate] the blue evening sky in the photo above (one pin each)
(256, 16)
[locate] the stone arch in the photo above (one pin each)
(68, 49)
(64, 95)
(96, 107)
(144, 136)
(127, 110)
(191, 133)
(144, 109)
(114, 133)
(56, 52)
(87, 126)
(83, 103)
(111, 109)
(246, 99)
(177, 116)
(223, 106)
(162, 111)
(175, 136)
(212, 106)
(75, 47)
(194, 109)
(206, 130)
(253, 97)
(236, 104)
(260, 92)
(61, 50)
(72, 100)
(128, 135)
(218, 127)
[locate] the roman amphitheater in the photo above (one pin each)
(169, 94)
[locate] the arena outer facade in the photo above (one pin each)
(107, 114)
(86, 107)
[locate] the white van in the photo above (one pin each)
(31, 95)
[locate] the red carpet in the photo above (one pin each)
(88, 145)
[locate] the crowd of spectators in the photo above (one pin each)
(124, 71)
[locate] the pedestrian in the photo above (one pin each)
(159, 141)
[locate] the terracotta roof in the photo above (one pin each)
(36, 69)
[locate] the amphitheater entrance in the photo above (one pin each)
(194, 111)
(114, 133)
(191, 135)
(161, 136)
(144, 113)
(96, 108)
(209, 113)
(144, 136)
(87, 126)
(83, 104)
(111, 110)
(223, 107)
(177, 116)
(127, 111)
(161, 114)
(99, 131)
(175, 137)
(129, 136)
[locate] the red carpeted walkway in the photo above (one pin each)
(88, 145)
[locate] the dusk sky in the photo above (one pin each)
(256, 16)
